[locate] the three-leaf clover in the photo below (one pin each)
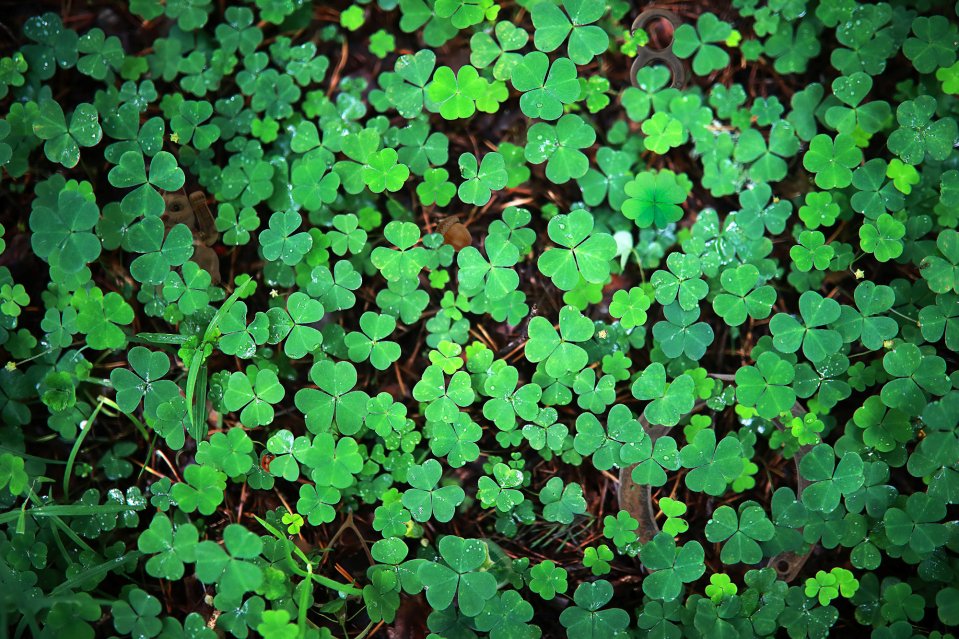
(554, 25)
(561, 503)
(699, 43)
(583, 254)
(670, 566)
(559, 145)
(253, 394)
(371, 343)
(712, 467)
(459, 576)
(830, 481)
(740, 532)
(425, 500)
(560, 350)
(63, 141)
(546, 87)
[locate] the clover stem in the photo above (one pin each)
(85, 427)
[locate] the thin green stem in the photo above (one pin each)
(85, 427)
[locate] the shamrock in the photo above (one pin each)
(851, 90)
(507, 401)
(131, 171)
(496, 277)
(832, 160)
(817, 343)
(501, 491)
(914, 374)
(918, 136)
(132, 386)
(559, 146)
(933, 45)
(546, 88)
(654, 199)
(668, 402)
(587, 618)
(681, 334)
(742, 297)
(584, 254)
(229, 566)
(740, 532)
(482, 181)
(202, 490)
(682, 282)
(172, 548)
(62, 232)
(606, 445)
(942, 271)
(670, 566)
(500, 52)
(830, 481)
(333, 402)
(253, 393)
(869, 324)
(917, 524)
(812, 251)
(882, 237)
(455, 94)
(371, 343)
(767, 160)
(62, 141)
(561, 503)
(457, 576)
(424, 499)
(689, 41)
(651, 460)
(554, 25)
(547, 579)
(630, 307)
(712, 466)
(766, 385)
(664, 132)
(559, 349)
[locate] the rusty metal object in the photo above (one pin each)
(454, 233)
(193, 211)
(637, 500)
(206, 223)
(665, 56)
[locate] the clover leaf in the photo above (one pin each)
(554, 26)
(587, 618)
(559, 349)
(740, 532)
(712, 466)
(559, 145)
(425, 499)
(253, 393)
(670, 566)
(62, 141)
(457, 576)
(698, 43)
(583, 254)
(172, 548)
(546, 87)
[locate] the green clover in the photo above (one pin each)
(554, 26)
(740, 532)
(457, 576)
(584, 254)
(670, 567)
(62, 141)
(559, 146)
(697, 43)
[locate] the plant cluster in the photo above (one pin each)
(683, 366)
